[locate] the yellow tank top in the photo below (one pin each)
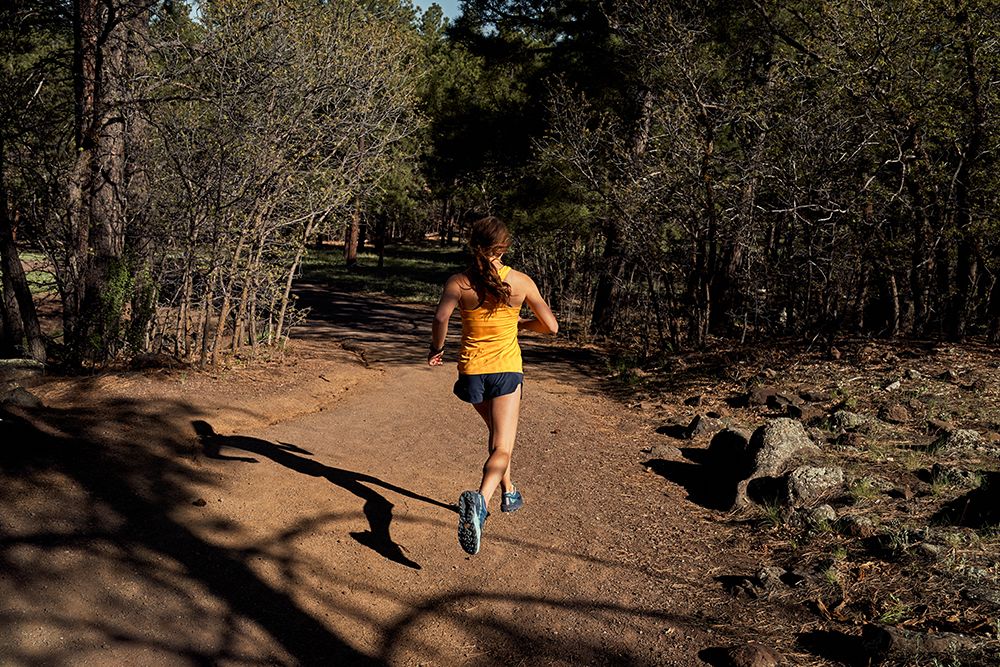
(489, 339)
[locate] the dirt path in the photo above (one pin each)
(330, 538)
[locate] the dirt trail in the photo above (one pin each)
(329, 538)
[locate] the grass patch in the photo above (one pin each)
(863, 489)
(895, 612)
(412, 274)
(772, 515)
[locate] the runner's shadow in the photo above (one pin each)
(376, 509)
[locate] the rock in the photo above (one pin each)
(694, 401)
(896, 414)
(805, 413)
(665, 452)
(912, 374)
(776, 442)
(704, 425)
(835, 354)
(730, 450)
(719, 412)
(893, 386)
(809, 483)
(845, 420)
(959, 440)
(782, 400)
(867, 355)
(938, 426)
(856, 526)
(967, 479)
(851, 440)
(772, 446)
(769, 577)
(816, 395)
(823, 514)
(931, 551)
(949, 376)
(20, 369)
(200, 502)
(978, 386)
(900, 646)
(761, 395)
(751, 655)
(21, 398)
(980, 585)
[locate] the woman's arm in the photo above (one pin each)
(543, 321)
(450, 298)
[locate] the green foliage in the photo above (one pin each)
(410, 274)
(895, 611)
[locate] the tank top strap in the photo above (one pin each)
(504, 270)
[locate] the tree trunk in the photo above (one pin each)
(993, 314)
(20, 319)
(104, 45)
(892, 309)
(352, 237)
(380, 240)
(969, 245)
(602, 320)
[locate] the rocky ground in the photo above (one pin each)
(865, 480)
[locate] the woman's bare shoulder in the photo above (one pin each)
(517, 278)
(459, 280)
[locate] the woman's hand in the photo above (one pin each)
(435, 359)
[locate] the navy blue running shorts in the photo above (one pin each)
(478, 388)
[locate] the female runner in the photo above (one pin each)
(489, 296)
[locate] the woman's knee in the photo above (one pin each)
(498, 459)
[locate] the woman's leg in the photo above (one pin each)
(485, 410)
(503, 413)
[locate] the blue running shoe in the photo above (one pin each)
(512, 501)
(471, 517)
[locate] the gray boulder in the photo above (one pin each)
(807, 484)
(845, 420)
(665, 452)
(704, 425)
(20, 369)
(856, 526)
(967, 479)
(752, 655)
(772, 446)
(959, 440)
(21, 398)
(823, 514)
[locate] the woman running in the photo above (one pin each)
(489, 296)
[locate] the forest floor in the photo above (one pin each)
(302, 510)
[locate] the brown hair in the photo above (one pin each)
(489, 238)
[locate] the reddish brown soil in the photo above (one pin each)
(302, 513)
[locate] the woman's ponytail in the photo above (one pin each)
(489, 238)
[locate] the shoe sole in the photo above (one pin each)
(469, 530)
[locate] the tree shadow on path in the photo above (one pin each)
(113, 508)
(376, 509)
